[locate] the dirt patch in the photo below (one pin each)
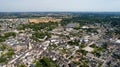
(44, 19)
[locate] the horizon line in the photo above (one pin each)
(60, 11)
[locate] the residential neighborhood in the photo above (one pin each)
(65, 43)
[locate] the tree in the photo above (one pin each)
(8, 34)
(45, 62)
(3, 60)
(21, 65)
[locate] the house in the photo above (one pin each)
(76, 47)
(20, 47)
(89, 49)
(85, 39)
(11, 41)
(117, 41)
(85, 27)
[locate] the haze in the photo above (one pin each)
(59, 5)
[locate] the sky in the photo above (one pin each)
(59, 5)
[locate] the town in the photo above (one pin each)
(60, 40)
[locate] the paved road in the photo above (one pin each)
(14, 60)
(19, 57)
(103, 65)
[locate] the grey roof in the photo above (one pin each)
(71, 25)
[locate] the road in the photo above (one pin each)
(108, 58)
(19, 57)
(14, 60)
